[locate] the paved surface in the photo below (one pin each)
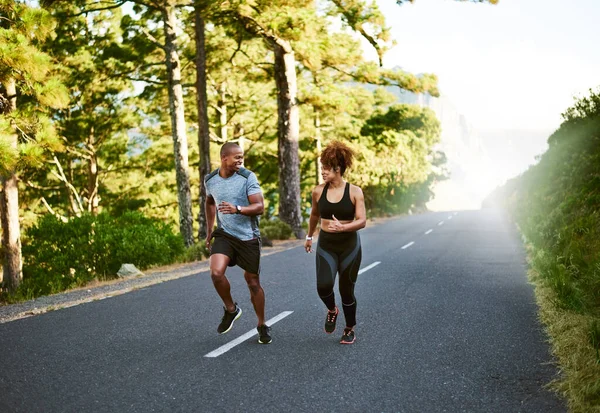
(446, 324)
(116, 287)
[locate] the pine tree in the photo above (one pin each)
(279, 23)
(25, 130)
(151, 38)
(95, 126)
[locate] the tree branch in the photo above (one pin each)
(154, 82)
(49, 208)
(62, 177)
(153, 40)
(30, 184)
(86, 11)
(353, 21)
(253, 26)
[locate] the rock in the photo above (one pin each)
(128, 270)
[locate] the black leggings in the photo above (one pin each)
(339, 252)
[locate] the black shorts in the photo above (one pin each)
(245, 254)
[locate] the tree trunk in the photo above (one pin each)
(318, 147)
(203, 131)
(74, 198)
(239, 135)
(12, 264)
(288, 133)
(92, 188)
(178, 129)
(222, 109)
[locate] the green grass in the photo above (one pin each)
(574, 339)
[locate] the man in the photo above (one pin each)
(234, 197)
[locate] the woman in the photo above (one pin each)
(341, 208)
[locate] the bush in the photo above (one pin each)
(195, 252)
(275, 229)
(60, 255)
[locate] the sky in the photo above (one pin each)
(515, 65)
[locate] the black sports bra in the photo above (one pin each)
(343, 210)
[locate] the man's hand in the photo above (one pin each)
(208, 238)
(227, 208)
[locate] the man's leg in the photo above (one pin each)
(257, 295)
(218, 265)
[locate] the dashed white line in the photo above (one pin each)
(440, 223)
(407, 245)
(429, 232)
(450, 217)
(367, 268)
(252, 333)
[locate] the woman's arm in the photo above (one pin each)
(314, 217)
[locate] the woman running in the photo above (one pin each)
(341, 208)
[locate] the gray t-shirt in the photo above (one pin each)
(236, 189)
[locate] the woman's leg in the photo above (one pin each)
(327, 265)
(349, 265)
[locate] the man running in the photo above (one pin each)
(234, 197)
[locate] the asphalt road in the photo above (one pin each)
(445, 324)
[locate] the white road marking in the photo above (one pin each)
(252, 333)
(450, 217)
(429, 232)
(456, 213)
(375, 264)
(407, 245)
(440, 223)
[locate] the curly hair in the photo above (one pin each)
(337, 154)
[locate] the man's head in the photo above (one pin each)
(232, 156)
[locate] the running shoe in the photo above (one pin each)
(228, 319)
(330, 321)
(348, 337)
(263, 334)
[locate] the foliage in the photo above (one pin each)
(557, 203)
(275, 229)
(61, 255)
(196, 252)
(22, 30)
(557, 206)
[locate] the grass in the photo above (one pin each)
(573, 337)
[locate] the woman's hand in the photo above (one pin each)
(308, 246)
(335, 225)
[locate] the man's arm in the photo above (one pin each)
(256, 207)
(211, 213)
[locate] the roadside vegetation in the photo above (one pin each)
(556, 204)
